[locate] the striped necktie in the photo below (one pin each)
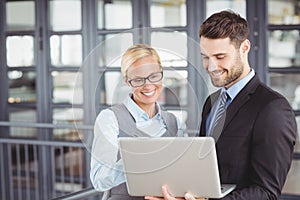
(219, 111)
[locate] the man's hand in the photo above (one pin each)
(168, 196)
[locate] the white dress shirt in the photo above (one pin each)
(106, 170)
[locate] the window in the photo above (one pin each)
(21, 65)
(284, 63)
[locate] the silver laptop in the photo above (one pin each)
(184, 164)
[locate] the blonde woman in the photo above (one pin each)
(139, 115)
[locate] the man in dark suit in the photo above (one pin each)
(255, 136)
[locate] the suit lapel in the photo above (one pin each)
(233, 108)
(235, 105)
(241, 99)
(206, 109)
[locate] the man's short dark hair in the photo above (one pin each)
(225, 24)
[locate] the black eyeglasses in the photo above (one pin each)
(152, 78)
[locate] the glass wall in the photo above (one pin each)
(213, 6)
(284, 63)
(168, 14)
(66, 56)
(21, 65)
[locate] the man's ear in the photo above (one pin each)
(245, 46)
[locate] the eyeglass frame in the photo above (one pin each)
(146, 78)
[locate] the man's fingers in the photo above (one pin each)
(165, 192)
(188, 196)
(153, 198)
(167, 196)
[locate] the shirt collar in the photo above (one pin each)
(238, 86)
(138, 113)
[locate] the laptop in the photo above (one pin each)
(184, 164)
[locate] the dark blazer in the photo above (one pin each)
(256, 144)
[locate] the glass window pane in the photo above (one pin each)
(284, 48)
(293, 179)
(23, 132)
(288, 85)
(284, 12)
(67, 116)
(111, 48)
(22, 115)
(168, 13)
(67, 134)
(67, 87)
(175, 88)
(22, 87)
(213, 6)
(25, 17)
(172, 54)
(182, 116)
(65, 15)
(66, 50)
(113, 88)
(20, 51)
(115, 14)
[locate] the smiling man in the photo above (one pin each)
(224, 63)
(255, 142)
(256, 131)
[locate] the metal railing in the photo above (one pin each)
(40, 169)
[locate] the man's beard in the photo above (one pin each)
(236, 70)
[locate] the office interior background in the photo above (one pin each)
(60, 66)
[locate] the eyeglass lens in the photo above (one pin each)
(138, 82)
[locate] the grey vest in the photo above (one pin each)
(127, 128)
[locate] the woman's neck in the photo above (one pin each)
(150, 110)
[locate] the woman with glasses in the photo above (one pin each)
(138, 116)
